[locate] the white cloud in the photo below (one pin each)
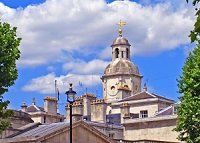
(46, 84)
(81, 67)
(105, 53)
(54, 28)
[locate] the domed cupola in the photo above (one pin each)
(121, 72)
(120, 41)
(121, 67)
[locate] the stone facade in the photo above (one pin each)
(125, 103)
(126, 113)
(159, 128)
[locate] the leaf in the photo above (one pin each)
(193, 36)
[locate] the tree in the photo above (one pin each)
(195, 33)
(188, 121)
(9, 53)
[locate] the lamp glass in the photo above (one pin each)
(70, 97)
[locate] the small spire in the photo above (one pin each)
(145, 86)
(121, 23)
(70, 85)
(24, 104)
(34, 102)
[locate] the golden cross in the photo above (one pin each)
(121, 23)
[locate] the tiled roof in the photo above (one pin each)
(170, 110)
(43, 130)
(163, 97)
(34, 108)
(138, 96)
(145, 95)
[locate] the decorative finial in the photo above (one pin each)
(70, 85)
(34, 102)
(24, 104)
(145, 86)
(121, 23)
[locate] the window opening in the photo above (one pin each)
(44, 119)
(117, 53)
(143, 114)
(127, 53)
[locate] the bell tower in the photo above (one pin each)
(121, 77)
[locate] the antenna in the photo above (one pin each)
(81, 87)
(86, 90)
(57, 95)
(55, 87)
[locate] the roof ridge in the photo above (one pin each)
(163, 110)
(131, 96)
(160, 96)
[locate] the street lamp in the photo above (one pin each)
(70, 98)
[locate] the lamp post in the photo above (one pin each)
(70, 98)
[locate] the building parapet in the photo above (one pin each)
(150, 119)
(125, 104)
(79, 98)
(85, 95)
(98, 101)
(50, 98)
(89, 95)
(76, 103)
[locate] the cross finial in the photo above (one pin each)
(145, 86)
(121, 23)
(34, 102)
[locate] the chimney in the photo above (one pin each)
(98, 111)
(77, 111)
(24, 107)
(87, 99)
(50, 105)
(125, 111)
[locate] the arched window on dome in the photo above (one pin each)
(127, 53)
(116, 53)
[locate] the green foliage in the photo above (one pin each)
(194, 1)
(188, 123)
(9, 53)
(4, 114)
(195, 33)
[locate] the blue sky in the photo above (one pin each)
(70, 41)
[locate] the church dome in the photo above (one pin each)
(121, 67)
(120, 41)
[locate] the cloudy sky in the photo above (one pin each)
(69, 41)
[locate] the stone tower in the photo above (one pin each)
(121, 77)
